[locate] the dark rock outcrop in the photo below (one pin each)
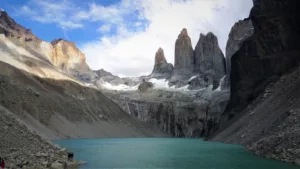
(209, 59)
(162, 69)
(240, 31)
(184, 59)
(145, 86)
(272, 51)
(12, 29)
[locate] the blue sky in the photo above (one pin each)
(122, 36)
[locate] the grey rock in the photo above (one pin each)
(273, 50)
(297, 161)
(240, 32)
(145, 86)
(57, 165)
(104, 76)
(184, 59)
(178, 114)
(209, 59)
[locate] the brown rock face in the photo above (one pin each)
(184, 51)
(12, 29)
(273, 50)
(67, 57)
(161, 66)
(160, 57)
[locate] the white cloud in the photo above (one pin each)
(131, 53)
(142, 26)
(104, 28)
(51, 12)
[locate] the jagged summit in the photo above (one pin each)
(183, 32)
(160, 56)
(184, 51)
(161, 66)
(13, 29)
(56, 41)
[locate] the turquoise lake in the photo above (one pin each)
(165, 153)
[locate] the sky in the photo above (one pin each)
(122, 36)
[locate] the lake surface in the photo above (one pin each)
(165, 153)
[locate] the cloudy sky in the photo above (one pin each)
(122, 36)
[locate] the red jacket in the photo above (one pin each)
(2, 164)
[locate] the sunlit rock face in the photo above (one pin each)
(209, 59)
(184, 59)
(70, 59)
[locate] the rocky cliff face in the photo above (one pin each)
(12, 29)
(240, 32)
(179, 114)
(62, 54)
(184, 59)
(272, 51)
(209, 59)
(64, 107)
(263, 113)
(67, 57)
(162, 69)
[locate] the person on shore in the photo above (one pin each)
(2, 164)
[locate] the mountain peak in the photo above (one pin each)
(13, 29)
(184, 51)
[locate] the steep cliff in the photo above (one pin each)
(68, 58)
(240, 32)
(272, 51)
(184, 59)
(162, 69)
(209, 59)
(180, 114)
(263, 113)
(12, 29)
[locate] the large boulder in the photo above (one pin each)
(145, 86)
(13, 29)
(209, 58)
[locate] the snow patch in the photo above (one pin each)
(159, 83)
(220, 83)
(96, 74)
(193, 77)
(164, 85)
(123, 87)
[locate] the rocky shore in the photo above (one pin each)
(22, 148)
